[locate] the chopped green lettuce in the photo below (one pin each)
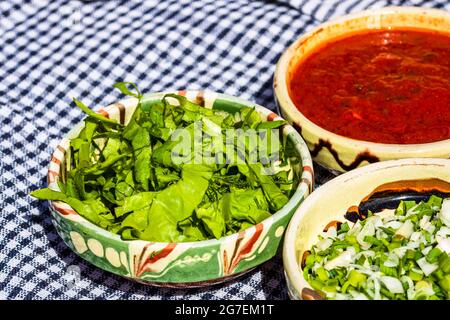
(140, 181)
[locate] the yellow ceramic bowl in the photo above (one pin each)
(337, 152)
(331, 201)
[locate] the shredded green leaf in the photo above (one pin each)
(141, 180)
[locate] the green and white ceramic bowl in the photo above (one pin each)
(330, 202)
(187, 264)
(333, 151)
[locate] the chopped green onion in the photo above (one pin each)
(445, 283)
(322, 273)
(397, 257)
(433, 255)
(415, 276)
(355, 278)
(444, 263)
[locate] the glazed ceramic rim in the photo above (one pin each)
(287, 106)
(304, 188)
(290, 259)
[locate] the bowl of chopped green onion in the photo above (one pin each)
(381, 232)
(179, 189)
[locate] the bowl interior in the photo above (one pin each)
(387, 18)
(331, 201)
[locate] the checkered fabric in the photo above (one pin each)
(51, 51)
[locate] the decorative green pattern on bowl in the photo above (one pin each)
(178, 264)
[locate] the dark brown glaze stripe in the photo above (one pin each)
(121, 108)
(420, 186)
(334, 223)
(297, 127)
(235, 252)
(141, 256)
(353, 214)
(135, 265)
(226, 265)
(362, 156)
(304, 256)
(403, 187)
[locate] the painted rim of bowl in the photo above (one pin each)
(291, 266)
(285, 102)
(304, 188)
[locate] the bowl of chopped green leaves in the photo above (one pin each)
(381, 232)
(179, 189)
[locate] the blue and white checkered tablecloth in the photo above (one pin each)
(51, 51)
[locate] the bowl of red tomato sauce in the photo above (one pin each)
(370, 86)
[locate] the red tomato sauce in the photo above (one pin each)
(386, 86)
